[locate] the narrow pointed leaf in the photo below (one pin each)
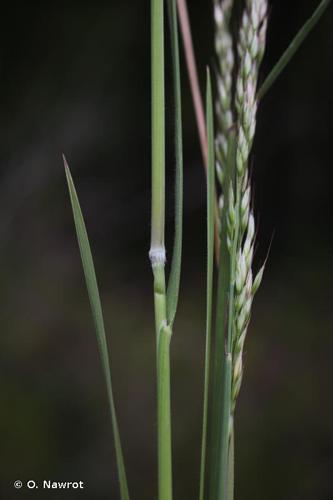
(293, 47)
(210, 271)
(174, 280)
(96, 308)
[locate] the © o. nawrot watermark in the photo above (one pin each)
(47, 484)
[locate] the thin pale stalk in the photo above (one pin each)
(210, 269)
(193, 77)
(157, 248)
(197, 100)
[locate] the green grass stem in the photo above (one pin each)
(157, 252)
(158, 124)
(164, 412)
(223, 463)
(210, 271)
(231, 463)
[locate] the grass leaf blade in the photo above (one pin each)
(174, 279)
(96, 308)
(210, 272)
(293, 47)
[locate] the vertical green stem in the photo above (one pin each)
(164, 415)
(210, 272)
(223, 471)
(231, 461)
(158, 124)
(163, 337)
(220, 368)
(157, 252)
(159, 296)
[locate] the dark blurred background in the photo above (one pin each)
(74, 78)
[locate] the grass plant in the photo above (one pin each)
(226, 144)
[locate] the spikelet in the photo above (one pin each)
(225, 54)
(251, 48)
(226, 62)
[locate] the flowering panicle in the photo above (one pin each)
(251, 48)
(239, 110)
